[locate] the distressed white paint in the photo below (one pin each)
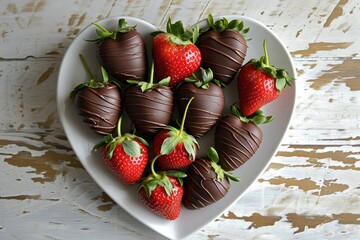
(323, 135)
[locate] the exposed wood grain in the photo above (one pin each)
(309, 191)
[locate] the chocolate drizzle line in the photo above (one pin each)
(204, 111)
(201, 187)
(223, 52)
(125, 57)
(99, 107)
(236, 142)
(149, 111)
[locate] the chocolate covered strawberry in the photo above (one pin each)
(223, 47)
(98, 103)
(162, 192)
(177, 148)
(149, 105)
(237, 137)
(259, 83)
(175, 54)
(207, 106)
(206, 182)
(125, 155)
(122, 52)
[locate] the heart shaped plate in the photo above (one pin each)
(82, 139)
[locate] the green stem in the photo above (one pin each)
(266, 54)
(151, 81)
(119, 126)
(157, 176)
(105, 75)
(184, 117)
(86, 66)
(101, 27)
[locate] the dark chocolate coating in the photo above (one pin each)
(149, 111)
(236, 142)
(223, 52)
(125, 57)
(204, 111)
(99, 107)
(201, 186)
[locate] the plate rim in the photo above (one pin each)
(228, 16)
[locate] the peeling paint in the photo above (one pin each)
(11, 7)
(341, 73)
(322, 46)
(48, 121)
(257, 220)
(107, 204)
(50, 165)
(301, 222)
(305, 184)
(336, 13)
(45, 75)
(340, 156)
(21, 197)
(34, 6)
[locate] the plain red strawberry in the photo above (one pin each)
(162, 192)
(163, 204)
(177, 148)
(260, 83)
(175, 55)
(126, 156)
(177, 158)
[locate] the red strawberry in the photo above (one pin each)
(177, 148)
(260, 83)
(162, 192)
(122, 52)
(174, 54)
(98, 103)
(126, 155)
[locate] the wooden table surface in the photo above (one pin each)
(311, 189)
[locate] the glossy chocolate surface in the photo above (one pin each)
(99, 107)
(125, 57)
(204, 111)
(223, 52)
(149, 111)
(236, 142)
(201, 186)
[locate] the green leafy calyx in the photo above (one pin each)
(179, 35)
(177, 136)
(162, 179)
(206, 77)
(92, 83)
(127, 141)
(223, 24)
(146, 86)
(221, 173)
(103, 33)
(256, 118)
(281, 75)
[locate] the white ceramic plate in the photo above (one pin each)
(82, 139)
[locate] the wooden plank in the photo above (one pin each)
(309, 191)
